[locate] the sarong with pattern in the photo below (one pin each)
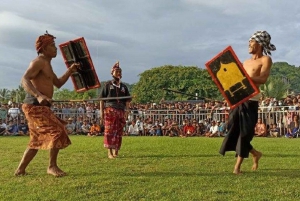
(46, 130)
(114, 123)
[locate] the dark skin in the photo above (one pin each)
(39, 80)
(258, 68)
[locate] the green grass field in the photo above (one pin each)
(152, 168)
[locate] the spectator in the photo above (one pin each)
(274, 131)
(23, 128)
(12, 128)
(133, 129)
(293, 128)
(70, 127)
(174, 130)
(189, 129)
(213, 130)
(3, 112)
(260, 129)
(201, 130)
(13, 111)
(85, 128)
(2, 127)
(95, 129)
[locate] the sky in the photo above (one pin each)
(143, 34)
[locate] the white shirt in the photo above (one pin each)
(14, 112)
(213, 129)
(133, 129)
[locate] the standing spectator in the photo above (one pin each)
(13, 111)
(3, 112)
(114, 112)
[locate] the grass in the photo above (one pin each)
(152, 168)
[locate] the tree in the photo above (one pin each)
(4, 95)
(275, 87)
(188, 80)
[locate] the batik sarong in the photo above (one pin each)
(46, 130)
(114, 123)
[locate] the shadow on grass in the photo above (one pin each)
(173, 156)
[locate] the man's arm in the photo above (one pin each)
(264, 72)
(59, 82)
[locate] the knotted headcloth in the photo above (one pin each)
(264, 39)
(115, 67)
(43, 40)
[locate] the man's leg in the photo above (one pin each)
(256, 156)
(53, 168)
(237, 167)
(29, 154)
(110, 153)
(115, 153)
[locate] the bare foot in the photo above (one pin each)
(111, 156)
(237, 172)
(55, 171)
(255, 160)
(19, 172)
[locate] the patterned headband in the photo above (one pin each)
(263, 38)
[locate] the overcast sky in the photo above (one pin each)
(143, 34)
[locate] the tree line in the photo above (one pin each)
(189, 81)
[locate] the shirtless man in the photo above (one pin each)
(241, 128)
(47, 131)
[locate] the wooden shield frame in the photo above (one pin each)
(231, 78)
(76, 51)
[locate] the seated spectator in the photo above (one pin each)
(133, 129)
(221, 129)
(12, 128)
(293, 128)
(157, 129)
(2, 127)
(164, 128)
(95, 129)
(85, 128)
(78, 124)
(70, 127)
(260, 129)
(274, 131)
(213, 130)
(201, 129)
(23, 128)
(189, 129)
(174, 130)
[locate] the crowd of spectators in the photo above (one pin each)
(208, 118)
